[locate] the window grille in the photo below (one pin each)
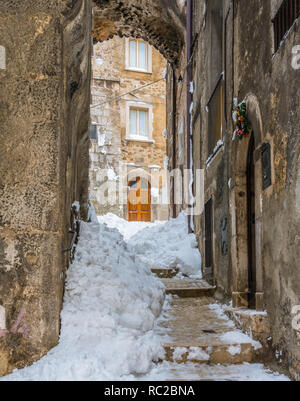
(288, 12)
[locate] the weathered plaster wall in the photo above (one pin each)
(44, 113)
(271, 88)
(276, 86)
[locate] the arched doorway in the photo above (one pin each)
(139, 200)
(251, 215)
(246, 205)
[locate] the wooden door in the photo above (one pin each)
(139, 201)
(251, 224)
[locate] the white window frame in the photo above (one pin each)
(142, 107)
(148, 70)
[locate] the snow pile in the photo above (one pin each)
(127, 229)
(111, 303)
(169, 246)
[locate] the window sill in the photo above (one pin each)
(137, 139)
(138, 70)
(217, 150)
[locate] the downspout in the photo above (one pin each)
(233, 45)
(188, 92)
(174, 136)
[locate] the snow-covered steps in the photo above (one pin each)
(165, 273)
(187, 288)
(200, 332)
(225, 354)
(168, 371)
(253, 323)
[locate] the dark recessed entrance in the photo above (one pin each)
(251, 223)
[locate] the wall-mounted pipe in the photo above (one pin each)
(189, 79)
(174, 134)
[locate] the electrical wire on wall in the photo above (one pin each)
(127, 93)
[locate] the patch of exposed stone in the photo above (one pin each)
(147, 19)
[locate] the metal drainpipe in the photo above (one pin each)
(174, 94)
(189, 80)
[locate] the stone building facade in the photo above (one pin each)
(128, 117)
(244, 52)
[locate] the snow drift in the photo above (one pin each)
(110, 307)
(168, 245)
(127, 229)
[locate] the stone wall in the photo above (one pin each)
(44, 114)
(159, 22)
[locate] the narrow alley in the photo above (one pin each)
(167, 329)
(150, 190)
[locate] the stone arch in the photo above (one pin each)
(239, 212)
(145, 19)
(138, 172)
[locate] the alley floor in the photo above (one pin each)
(203, 343)
(120, 321)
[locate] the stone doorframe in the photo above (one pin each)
(239, 215)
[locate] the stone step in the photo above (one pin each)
(165, 273)
(251, 322)
(198, 331)
(225, 354)
(202, 343)
(187, 288)
(198, 372)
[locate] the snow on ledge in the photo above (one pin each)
(219, 146)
